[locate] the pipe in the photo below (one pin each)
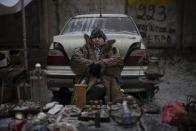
(126, 6)
(24, 35)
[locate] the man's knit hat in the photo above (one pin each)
(97, 33)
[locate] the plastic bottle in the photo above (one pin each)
(126, 118)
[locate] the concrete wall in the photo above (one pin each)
(189, 23)
(157, 19)
(165, 23)
(162, 21)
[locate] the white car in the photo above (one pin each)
(116, 26)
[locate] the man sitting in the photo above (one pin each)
(98, 63)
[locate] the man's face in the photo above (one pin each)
(98, 40)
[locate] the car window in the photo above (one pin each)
(119, 25)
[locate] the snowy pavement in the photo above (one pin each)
(179, 80)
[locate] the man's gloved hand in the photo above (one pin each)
(95, 69)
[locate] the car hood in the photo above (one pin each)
(72, 41)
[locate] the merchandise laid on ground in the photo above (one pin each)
(38, 113)
(129, 114)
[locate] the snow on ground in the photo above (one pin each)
(179, 80)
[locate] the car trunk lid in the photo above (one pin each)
(72, 41)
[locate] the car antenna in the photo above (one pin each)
(100, 8)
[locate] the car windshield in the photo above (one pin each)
(119, 25)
